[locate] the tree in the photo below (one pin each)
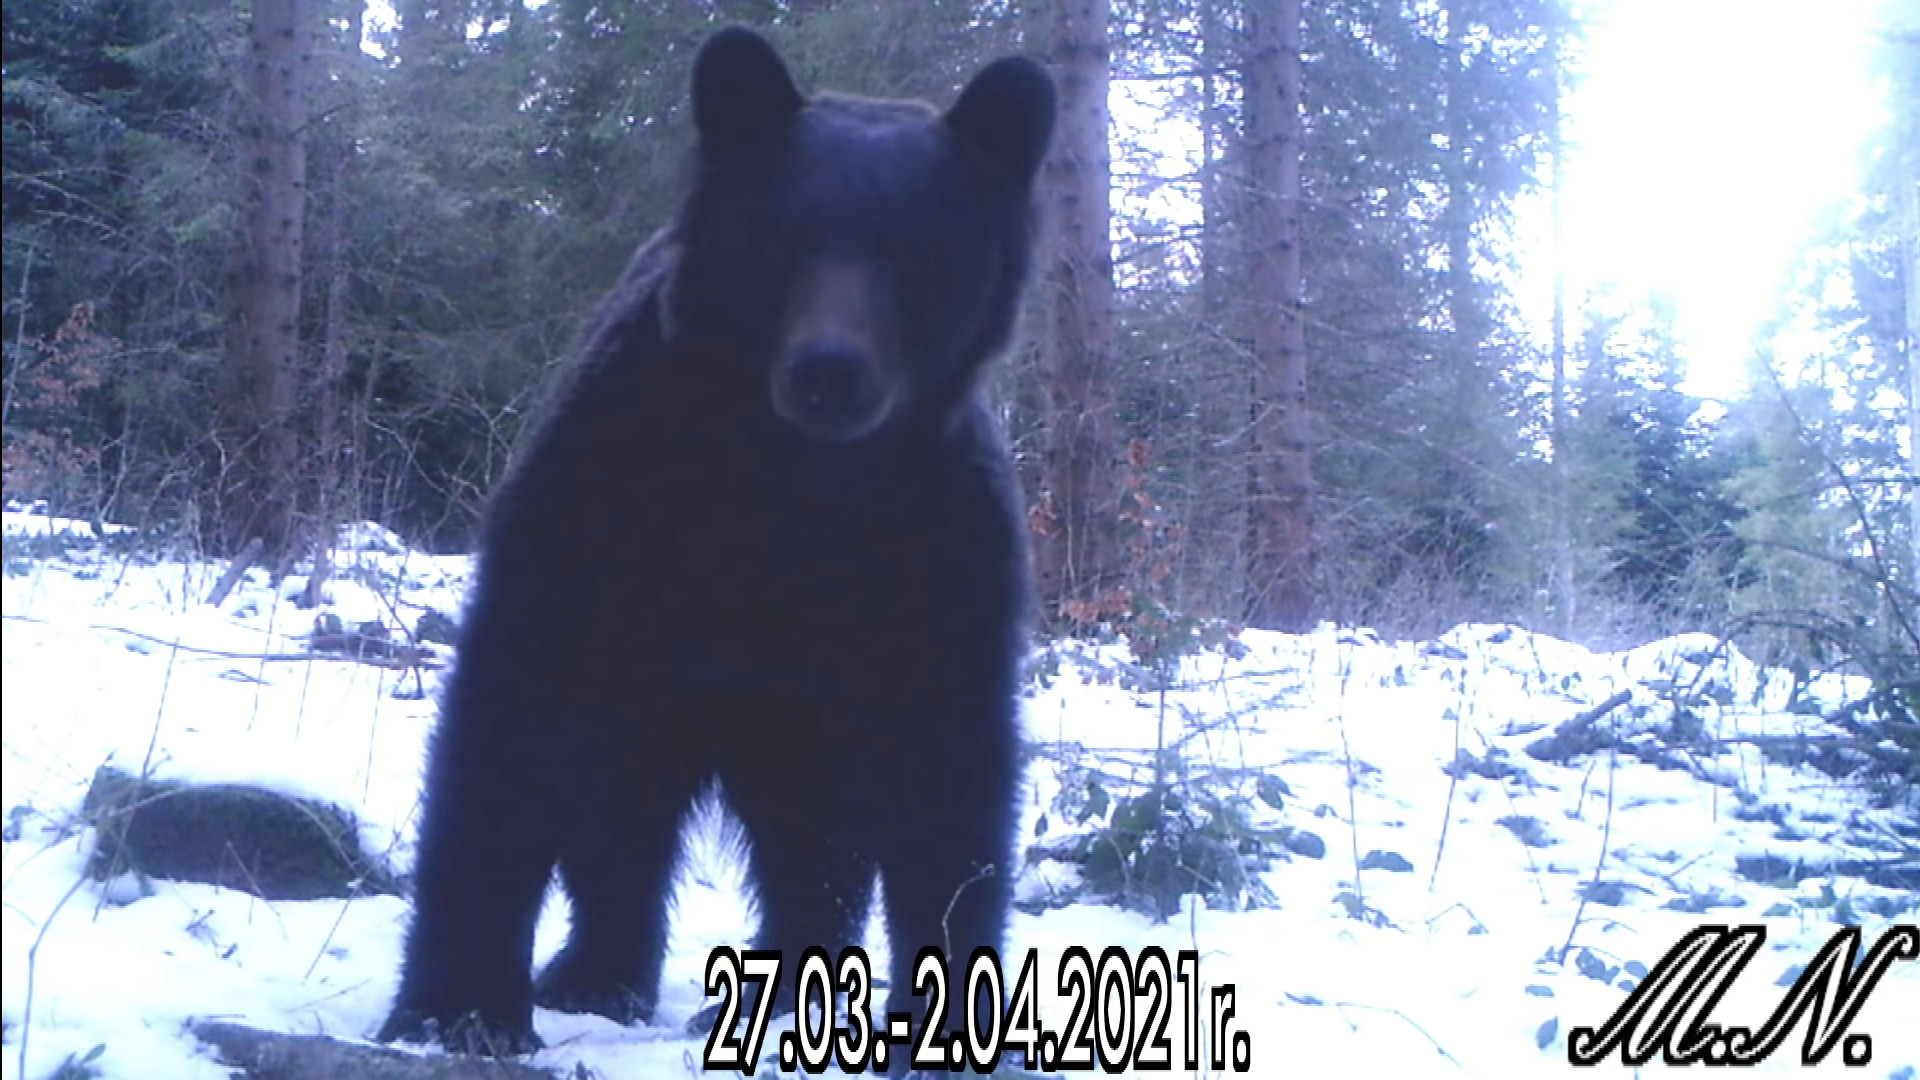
(1900, 169)
(1657, 511)
(1424, 123)
(1565, 597)
(1281, 514)
(257, 459)
(1910, 245)
(1829, 486)
(1078, 551)
(1828, 482)
(1411, 475)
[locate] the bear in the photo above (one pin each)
(766, 540)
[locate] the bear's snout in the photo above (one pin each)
(830, 392)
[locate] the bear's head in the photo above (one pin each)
(859, 260)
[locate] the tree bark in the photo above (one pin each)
(1280, 548)
(1077, 555)
(258, 452)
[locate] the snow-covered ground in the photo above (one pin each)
(1437, 963)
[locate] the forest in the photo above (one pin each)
(275, 267)
(1424, 647)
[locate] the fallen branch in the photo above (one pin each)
(272, 1055)
(1893, 757)
(1589, 716)
(1577, 736)
(236, 570)
(404, 658)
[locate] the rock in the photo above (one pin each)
(275, 846)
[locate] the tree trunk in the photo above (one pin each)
(330, 437)
(1214, 283)
(1078, 551)
(1458, 462)
(1280, 555)
(258, 447)
(1565, 599)
(331, 441)
(1909, 196)
(1222, 465)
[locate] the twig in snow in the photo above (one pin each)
(1606, 835)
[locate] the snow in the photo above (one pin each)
(111, 655)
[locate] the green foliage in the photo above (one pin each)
(1187, 829)
(1831, 558)
(1415, 436)
(1648, 474)
(435, 626)
(116, 206)
(1178, 836)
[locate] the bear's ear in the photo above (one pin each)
(1007, 111)
(742, 94)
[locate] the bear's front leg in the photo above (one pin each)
(946, 855)
(626, 802)
(489, 836)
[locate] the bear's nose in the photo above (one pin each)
(830, 392)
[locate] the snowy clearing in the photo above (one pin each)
(1440, 963)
